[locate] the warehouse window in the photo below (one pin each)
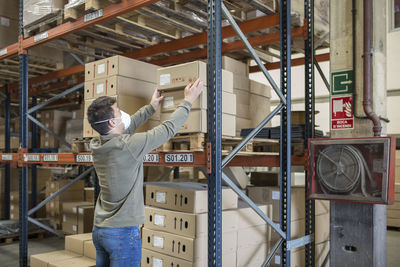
(395, 14)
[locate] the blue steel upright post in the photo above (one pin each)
(34, 144)
(214, 87)
(7, 121)
(310, 116)
(23, 140)
(285, 138)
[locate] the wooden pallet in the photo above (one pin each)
(9, 239)
(81, 144)
(79, 10)
(185, 142)
(47, 22)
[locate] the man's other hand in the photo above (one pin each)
(156, 99)
(193, 90)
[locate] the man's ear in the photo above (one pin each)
(111, 123)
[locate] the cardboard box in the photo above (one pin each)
(241, 82)
(186, 224)
(271, 195)
(197, 122)
(242, 123)
(72, 207)
(64, 197)
(252, 256)
(322, 207)
(183, 247)
(179, 76)
(242, 111)
(115, 85)
(237, 175)
(252, 236)
(260, 89)
(247, 217)
(79, 261)
(185, 197)
(322, 228)
(85, 219)
(259, 109)
(44, 259)
(235, 66)
(242, 97)
(54, 186)
(89, 194)
(89, 249)
(70, 228)
(123, 66)
(75, 243)
(173, 98)
(152, 258)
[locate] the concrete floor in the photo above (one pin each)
(9, 253)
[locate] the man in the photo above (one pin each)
(118, 160)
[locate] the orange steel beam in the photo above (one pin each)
(109, 12)
(229, 47)
(295, 62)
(201, 38)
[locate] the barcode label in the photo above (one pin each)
(32, 157)
(174, 158)
(51, 157)
(94, 15)
(3, 52)
(151, 158)
(40, 36)
(84, 158)
(6, 156)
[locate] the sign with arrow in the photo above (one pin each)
(342, 82)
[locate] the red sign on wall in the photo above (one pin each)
(342, 113)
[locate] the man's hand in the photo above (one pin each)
(193, 90)
(156, 99)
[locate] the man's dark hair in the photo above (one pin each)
(101, 110)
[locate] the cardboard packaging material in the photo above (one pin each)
(260, 89)
(45, 259)
(115, 85)
(151, 258)
(242, 97)
(173, 98)
(179, 76)
(54, 186)
(123, 66)
(237, 175)
(235, 66)
(79, 261)
(183, 247)
(252, 236)
(197, 122)
(247, 217)
(75, 243)
(186, 224)
(70, 228)
(55, 120)
(89, 194)
(271, 195)
(242, 111)
(252, 256)
(185, 197)
(85, 219)
(241, 83)
(89, 249)
(259, 109)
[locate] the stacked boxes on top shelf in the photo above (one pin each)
(130, 81)
(252, 98)
(172, 81)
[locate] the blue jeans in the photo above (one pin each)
(117, 247)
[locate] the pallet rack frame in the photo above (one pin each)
(212, 157)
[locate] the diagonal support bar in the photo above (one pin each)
(38, 123)
(252, 52)
(251, 135)
(45, 227)
(77, 58)
(44, 202)
(243, 196)
(273, 252)
(321, 73)
(57, 97)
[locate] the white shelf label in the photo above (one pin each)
(32, 157)
(158, 242)
(84, 158)
(6, 156)
(151, 158)
(94, 15)
(40, 36)
(179, 158)
(50, 157)
(3, 52)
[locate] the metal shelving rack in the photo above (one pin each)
(211, 159)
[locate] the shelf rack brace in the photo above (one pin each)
(309, 62)
(321, 73)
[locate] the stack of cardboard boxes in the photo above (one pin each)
(14, 205)
(130, 81)
(252, 98)
(271, 195)
(77, 217)
(55, 121)
(79, 251)
(54, 208)
(175, 231)
(172, 81)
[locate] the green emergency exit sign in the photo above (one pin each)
(342, 82)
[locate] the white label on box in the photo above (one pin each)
(158, 242)
(159, 220)
(11, 216)
(157, 262)
(52, 185)
(52, 204)
(11, 207)
(101, 68)
(46, 144)
(64, 218)
(74, 210)
(277, 259)
(3, 51)
(161, 197)
(5, 22)
(168, 102)
(80, 211)
(165, 79)
(12, 197)
(6, 156)
(74, 228)
(52, 213)
(100, 88)
(276, 195)
(40, 36)
(47, 116)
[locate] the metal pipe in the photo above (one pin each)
(367, 69)
(44, 202)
